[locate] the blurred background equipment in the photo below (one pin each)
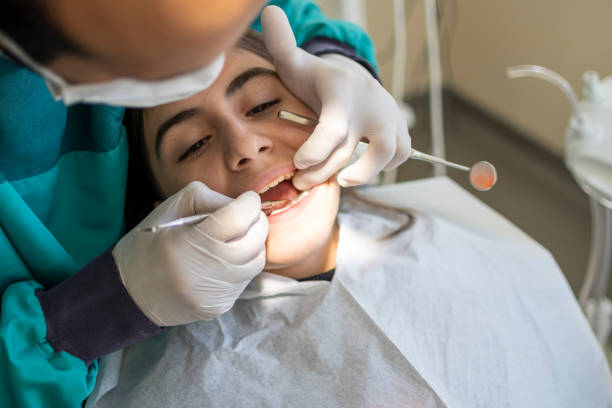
(588, 156)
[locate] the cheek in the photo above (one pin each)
(208, 171)
(291, 135)
(295, 135)
(300, 138)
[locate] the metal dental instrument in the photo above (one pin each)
(483, 175)
(191, 220)
(296, 118)
(195, 219)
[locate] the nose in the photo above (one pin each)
(244, 145)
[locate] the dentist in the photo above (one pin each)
(72, 288)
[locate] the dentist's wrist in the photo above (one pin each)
(91, 314)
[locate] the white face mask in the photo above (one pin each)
(129, 92)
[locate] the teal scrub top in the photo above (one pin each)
(63, 173)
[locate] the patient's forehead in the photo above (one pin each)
(237, 61)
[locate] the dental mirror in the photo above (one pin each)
(483, 175)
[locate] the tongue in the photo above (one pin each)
(282, 191)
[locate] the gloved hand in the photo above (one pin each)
(191, 273)
(351, 105)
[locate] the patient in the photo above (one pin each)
(230, 138)
(434, 315)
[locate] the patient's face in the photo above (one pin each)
(229, 137)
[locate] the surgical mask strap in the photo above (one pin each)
(16, 51)
(121, 91)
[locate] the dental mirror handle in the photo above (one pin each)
(191, 220)
(196, 219)
(296, 118)
(483, 175)
(414, 154)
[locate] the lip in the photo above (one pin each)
(271, 175)
(297, 207)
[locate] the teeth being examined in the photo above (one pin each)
(277, 181)
(290, 203)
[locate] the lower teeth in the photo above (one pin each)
(295, 200)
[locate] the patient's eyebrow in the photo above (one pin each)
(182, 116)
(244, 77)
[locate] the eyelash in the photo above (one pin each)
(195, 147)
(262, 107)
(200, 143)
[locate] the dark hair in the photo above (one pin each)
(143, 191)
(141, 188)
(408, 215)
(29, 24)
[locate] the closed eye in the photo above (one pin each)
(263, 107)
(194, 148)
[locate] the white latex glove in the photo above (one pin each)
(191, 273)
(352, 106)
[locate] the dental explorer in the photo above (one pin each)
(483, 175)
(194, 219)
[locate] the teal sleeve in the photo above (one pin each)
(62, 174)
(308, 21)
(32, 373)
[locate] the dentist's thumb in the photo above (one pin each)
(278, 36)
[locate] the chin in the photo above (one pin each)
(300, 233)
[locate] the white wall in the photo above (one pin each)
(379, 15)
(568, 36)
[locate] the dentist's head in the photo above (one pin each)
(81, 46)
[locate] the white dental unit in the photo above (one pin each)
(588, 156)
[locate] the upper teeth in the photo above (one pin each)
(277, 181)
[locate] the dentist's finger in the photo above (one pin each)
(195, 198)
(330, 132)
(277, 33)
(246, 272)
(199, 198)
(236, 252)
(404, 146)
(233, 220)
(317, 174)
(243, 250)
(379, 152)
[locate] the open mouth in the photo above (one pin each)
(280, 195)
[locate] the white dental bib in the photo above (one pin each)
(439, 316)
